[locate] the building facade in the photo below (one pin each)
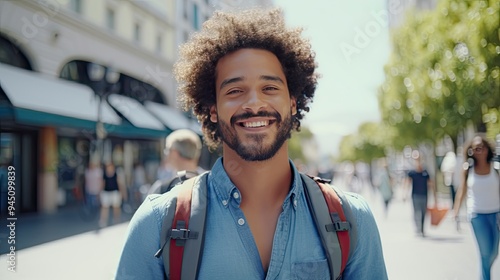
(82, 81)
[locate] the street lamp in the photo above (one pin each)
(104, 82)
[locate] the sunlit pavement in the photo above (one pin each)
(91, 255)
(443, 254)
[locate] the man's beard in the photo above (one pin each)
(255, 151)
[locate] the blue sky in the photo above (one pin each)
(351, 41)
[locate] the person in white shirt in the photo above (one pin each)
(481, 184)
(448, 169)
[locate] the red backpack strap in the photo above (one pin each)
(328, 211)
(181, 258)
(339, 222)
(180, 232)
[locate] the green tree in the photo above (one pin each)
(367, 144)
(297, 141)
(443, 73)
(347, 148)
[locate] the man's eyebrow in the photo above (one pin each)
(230, 81)
(239, 79)
(272, 78)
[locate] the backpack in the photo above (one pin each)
(182, 231)
(165, 185)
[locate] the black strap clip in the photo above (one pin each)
(337, 225)
(181, 234)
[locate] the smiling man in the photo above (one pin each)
(249, 79)
(255, 105)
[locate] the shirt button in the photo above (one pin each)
(224, 202)
(295, 202)
(236, 195)
(241, 221)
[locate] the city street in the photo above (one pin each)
(444, 254)
(102, 101)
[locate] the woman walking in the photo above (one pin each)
(112, 194)
(481, 184)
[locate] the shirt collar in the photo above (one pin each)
(225, 189)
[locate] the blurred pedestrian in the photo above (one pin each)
(165, 170)
(448, 167)
(138, 180)
(93, 184)
(385, 185)
(481, 185)
(421, 183)
(113, 192)
(182, 150)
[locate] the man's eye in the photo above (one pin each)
(234, 91)
(270, 88)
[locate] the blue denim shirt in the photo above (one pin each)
(230, 251)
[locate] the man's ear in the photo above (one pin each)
(293, 106)
(213, 114)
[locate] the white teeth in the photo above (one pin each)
(255, 124)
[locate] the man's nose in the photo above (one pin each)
(255, 101)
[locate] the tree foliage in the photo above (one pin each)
(296, 142)
(444, 72)
(367, 144)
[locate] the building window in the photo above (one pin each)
(76, 6)
(196, 21)
(70, 71)
(12, 55)
(77, 71)
(67, 166)
(140, 90)
(137, 33)
(110, 19)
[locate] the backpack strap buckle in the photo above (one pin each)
(337, 225)
(181, 234)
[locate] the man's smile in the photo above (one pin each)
(255, 123)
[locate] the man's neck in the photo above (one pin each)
(267, 180)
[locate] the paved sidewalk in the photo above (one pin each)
(91, 255)
(61, 245)
(444, 254)
(37, 228)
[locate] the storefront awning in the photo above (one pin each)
(38, 99)
(141, 122)
(171, 117)
(135, 113)
(42, 100)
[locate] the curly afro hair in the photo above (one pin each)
(227, 32)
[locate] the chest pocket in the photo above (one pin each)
(313, 270)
